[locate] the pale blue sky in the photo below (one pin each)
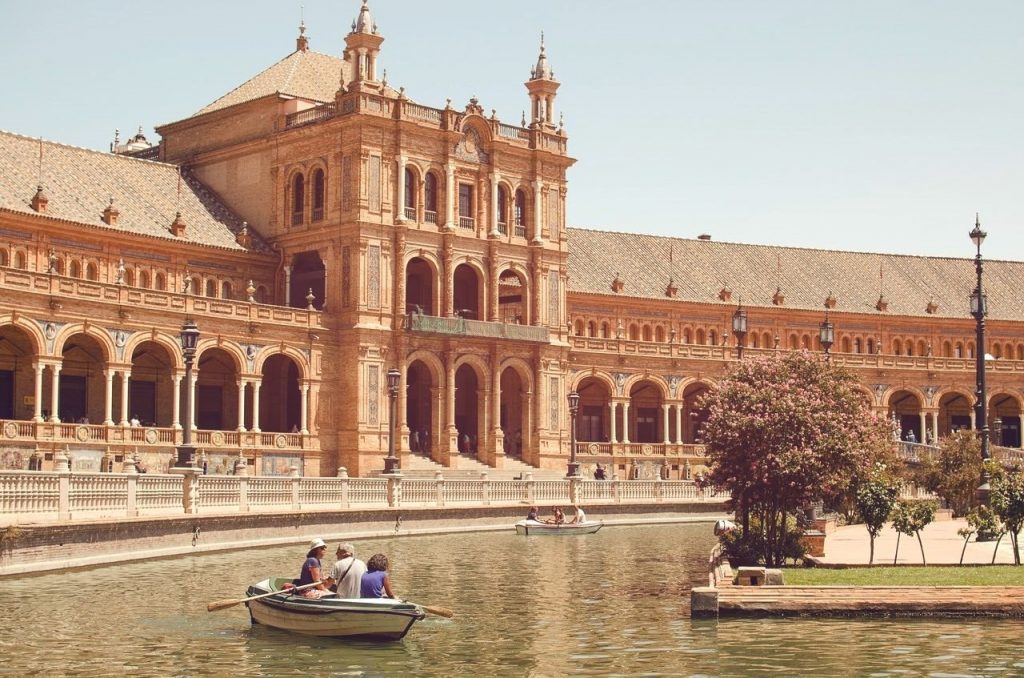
(871, 125)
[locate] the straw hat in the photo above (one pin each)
(317, 543)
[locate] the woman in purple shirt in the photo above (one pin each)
(312, 571)
(376, 582)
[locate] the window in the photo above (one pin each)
(318, 195)
(211, 288)
(161, 282)
(75, 270)
(298, 199)
(410, 194)
(466, 206)
(520, 215)
(91, 271)
(3, 257)
(144, 281)
(225, 290)
(502, 210)
(430, 198)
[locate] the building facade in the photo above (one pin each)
(322, 228)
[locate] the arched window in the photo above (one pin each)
(520, 213)
(129, 277)
(91, 271)
(144, 279)
(430, 198)
(634, 332)
(858, 346)
(958, 352)
(687, 337)
(754, 340)
(897, 347)
(698, 337)
(659, 334)
(211, 288)
(871, 345)
(75, 269)
(261, 294)
(225, 290)
(592, 329)
(647, 332)
(298, 199)
(160, 282)
(579, 328)
(409, 201)
(794, 342)
(712, 338)
(846, 344)
(19, 260)
(502, 210)
(319, 195)
(3, 258)
(606, 330)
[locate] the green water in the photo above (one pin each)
(613, 603)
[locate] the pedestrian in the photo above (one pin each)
(599, 473)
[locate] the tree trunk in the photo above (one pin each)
(1016, 547)
(995, 551)
(921, 544)
(871, 559)
(964, 550)
(897, 554)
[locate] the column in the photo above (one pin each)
(287, 286)
(449, 283)
(176, 402)
(449, 411)
(538, 209)
(304, 410)
(538, 285)
(37, 406)
(449, 197)
(496, 402)
(54, 392)
(935, 427)
(241, 406)
(192, 388)
(924, 427)
(679, 423)
(256, 405)
(400, 201)
(125, 376)
(625, 422)
(495, 177)
(493, 297)
(611, 422)
(665, 409)
(108, 397)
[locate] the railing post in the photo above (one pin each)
(133, 486)
(574, 489)
(528, 479)
(294, 472)
(659, 489)
(616, 495)
(343, 477)
(63, 468)
(243, 494)
(485, 488)
(439, 479)
(394, 490)
(190, 490)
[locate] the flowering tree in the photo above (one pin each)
(787, 430)
(956, 473)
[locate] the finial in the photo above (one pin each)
(384, 80)
(522, 121)
(542, 42)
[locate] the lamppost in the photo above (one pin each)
(574, 407)
(189, 341)
(739, 328)
(979, 309)
(391, 461)
(826, 335)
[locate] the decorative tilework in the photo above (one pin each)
(556, 398)
(346, 275)
(373, 276)
(373, 394)
(554, 223)
(553, 295)
(346, 182)
(373, 183)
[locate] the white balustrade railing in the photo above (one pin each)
(32, 496)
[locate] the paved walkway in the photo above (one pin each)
(942, 545)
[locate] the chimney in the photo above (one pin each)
(39, 200)
(111, 214)
(178, 226)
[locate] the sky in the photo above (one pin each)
(872, 126)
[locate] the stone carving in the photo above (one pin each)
(620, 381)
(880, 390)
(217, 438)
(281, 440)
(373, 276)
(469, 148)
(152, 436)
(556, 399)
(10, 429)
(930, 391)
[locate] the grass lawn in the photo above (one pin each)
(934, 575)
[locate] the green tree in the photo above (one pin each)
(787, 430)
(910, 518)
(1007, 501)
(956, 472)
(982, 521)
(875, 499)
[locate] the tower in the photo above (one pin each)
(362, 45)
(542, 87)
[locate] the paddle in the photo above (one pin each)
(225, 604)
(439, 611)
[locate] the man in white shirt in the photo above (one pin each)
(347, 573)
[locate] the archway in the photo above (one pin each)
(81, 394)
(17, 379)
(308, 273)
(905, 408)
(954, 412)
(511, 298)
(419, 287)
(280, 396)
(466, 294)
(592, 424)
(514, 420)
(151, 389)
(419, 407)
(694, 416)
(1004, 409)
(646, 413)
(468, 406)
(216, 395)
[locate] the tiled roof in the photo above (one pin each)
(304, 74)
(700, 269)
(79, 184)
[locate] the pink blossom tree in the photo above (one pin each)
(787, 430)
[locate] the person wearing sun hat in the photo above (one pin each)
(312, 571)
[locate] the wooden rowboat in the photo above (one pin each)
(529, 527)
(370, 618)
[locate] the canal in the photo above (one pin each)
(614, 603)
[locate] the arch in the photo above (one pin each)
(844, 344)
(19, 259)
(470, 403)
(576, 383)
(578, 327)
(422, 412)
(4, 258)
(1005, 414)
(904, 405)
(606, 330)
(101, 337)
(225, 289)
(308, 273)
(432, 363)
(858, 345)
(430, 197)
(18, 355)
(712, 338)
(478, 365)
(75, 269)
(421, 278)
(596, 391)
(659, 334)
(409, 199)
(520, 213)
(160, 282)
(280, 393)
(129, 277)
(956, 409)
(660, 385)
(503, 208)
(297, 198)
(592, 328)
(647, 336)
(81, 385)
(92, 271)
(897, 347)
(151, 389)
(634, 332)
(262, 296)
(513, 295)
(694, 415)
(211, 288)
(513, 407)
(468, 291)
(867, 393)
(219, 369)
(292, 353)
(170, 344)
(647, 394)
(229, 348)
(34, 333)
(319, 194)
(923, 348)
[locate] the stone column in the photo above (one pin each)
(449, 281)
(625, 422)
(288, 281)
(679, 423)
(924, 427)
(538, 210)
(449, 197)
(241, 405)
(493, 298)
(304, 410)
(935, 427)
(498, 438)
(256, 405)
(495, 177)
(176, 402)
(612, 438)
(665, 411)
(108, 397)
(125, 376)
(54, 392)
(400, 202)
(37, 405)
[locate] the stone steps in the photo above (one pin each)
(843, 600)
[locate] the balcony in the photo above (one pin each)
(410, 213)
(430, 216)
(460, 327)
(467, 222)
(503, 227)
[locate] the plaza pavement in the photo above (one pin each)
(849, 545)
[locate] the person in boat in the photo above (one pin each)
(580, 516)
(376, 583)
(347, 573)
(312, 571)
(533, 515)
(557, 516)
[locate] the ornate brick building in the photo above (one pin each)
(322, 228)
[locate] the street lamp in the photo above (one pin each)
(979, 309)
(574, 407)
(189, 342)
(739, 328)
(826, 334)
(391, 461)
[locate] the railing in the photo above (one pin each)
(418, 322)
(467, 222)
(318, 213)
(308, 116)
(410, 213)
(38, 497)
(297, 218)
(513, 132)
(520, 229)
(430, 216)
(503, 227)
(423, 113)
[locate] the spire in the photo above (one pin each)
(542, 87)
(302, 42)
(542, 71)
(362, 47)
(364, 22)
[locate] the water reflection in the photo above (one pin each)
(613, 603)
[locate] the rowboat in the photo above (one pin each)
(529, 527)
(371, 618)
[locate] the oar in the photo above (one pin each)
(433, 609)
(225, 604)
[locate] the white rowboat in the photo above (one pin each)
(331, 617)
(529, 527)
